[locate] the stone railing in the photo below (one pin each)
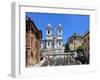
(40, 63)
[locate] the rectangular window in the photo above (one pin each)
(48, 43)
(32, 54)
(31, 41)
(59, 43)
(88, 38)
(85, 49)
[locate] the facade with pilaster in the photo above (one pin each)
(53, 41)
(33, 41)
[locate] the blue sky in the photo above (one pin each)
(71, 23)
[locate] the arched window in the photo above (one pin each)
(48, 31)
(59, 31)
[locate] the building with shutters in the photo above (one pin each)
(86, 42)
(33, 41)
(74, 42)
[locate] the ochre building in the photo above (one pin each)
(74, 42)
(86, 41)
(33, 41)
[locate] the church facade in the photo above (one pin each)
(53, 41)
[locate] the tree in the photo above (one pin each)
(66, 48)
(80, 49)
(81, 57)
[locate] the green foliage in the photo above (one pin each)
(75, 34)
(80, 49)
(66, 48)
